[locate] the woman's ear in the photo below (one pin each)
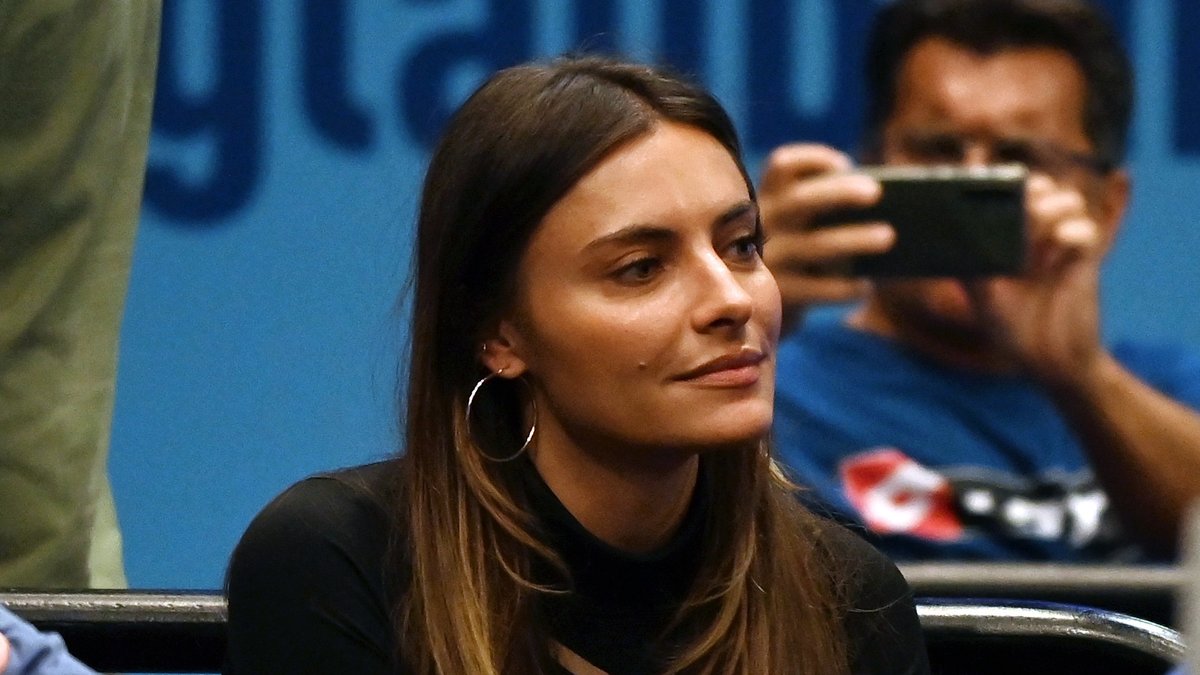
(503, 351)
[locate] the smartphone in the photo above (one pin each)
(950, 221)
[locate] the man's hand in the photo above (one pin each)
(799, 183)
(1048, 320)
(1143, 445)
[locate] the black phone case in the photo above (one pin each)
(961, 223)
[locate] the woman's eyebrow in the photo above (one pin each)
(633, 234)
(737, 211)
(637, 233)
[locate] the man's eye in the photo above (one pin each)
(1014, 152)
(935, 148)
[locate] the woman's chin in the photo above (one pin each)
(746, 428)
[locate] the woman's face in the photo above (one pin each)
(645, 317)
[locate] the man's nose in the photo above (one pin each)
(976, 153)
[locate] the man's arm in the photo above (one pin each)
(1144, 446)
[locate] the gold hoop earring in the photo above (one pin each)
(532, 427)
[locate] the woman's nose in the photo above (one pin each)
(722, 298)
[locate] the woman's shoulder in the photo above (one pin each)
(871, 578)
(324, 521)
(351, 504)
(310, 580)
(881, 620)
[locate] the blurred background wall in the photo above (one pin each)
(264, 323)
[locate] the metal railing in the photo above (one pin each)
(1144, 591)
(184, 632)
(132, 631)
(999, 636)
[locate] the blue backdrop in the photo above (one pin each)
(263, 329)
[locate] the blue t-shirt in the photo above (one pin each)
(941, 463)
(32, 652)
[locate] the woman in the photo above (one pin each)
(586, 487)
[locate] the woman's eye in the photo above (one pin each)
(747, 247)
(639, 271)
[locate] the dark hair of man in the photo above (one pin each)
(989, 26)
(465, 525)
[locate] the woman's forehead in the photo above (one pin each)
(673, 174)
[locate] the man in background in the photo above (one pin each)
(76, 83)
(982, 419)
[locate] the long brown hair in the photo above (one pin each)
(765, 598)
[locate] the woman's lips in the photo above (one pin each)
(735, 369)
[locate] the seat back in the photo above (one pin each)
(966, 637)
(1145, 591)
(181, 632)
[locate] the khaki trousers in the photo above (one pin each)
(76, 86)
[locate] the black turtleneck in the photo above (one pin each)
(620, 603)
(307, 591)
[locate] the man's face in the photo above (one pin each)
(956, 106)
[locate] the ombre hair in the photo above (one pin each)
(766, 597)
